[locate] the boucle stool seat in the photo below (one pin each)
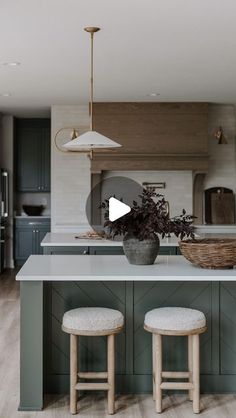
(92, 322)
(175, 321)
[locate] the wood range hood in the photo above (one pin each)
(154, 136)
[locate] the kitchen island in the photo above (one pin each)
(52, 284)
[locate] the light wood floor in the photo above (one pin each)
(141, 406)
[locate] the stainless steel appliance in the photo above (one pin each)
(4, 212)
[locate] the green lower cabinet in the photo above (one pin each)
(100, 250)
(167, 250)
(106, 250)
(28, 234)
(66, 250)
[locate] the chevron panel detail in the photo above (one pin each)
(149, 295)
(65, 296)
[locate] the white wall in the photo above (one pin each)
(178, 191)
(222, 164)
(6, 161)
(70, 173)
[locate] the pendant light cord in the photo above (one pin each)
(91, 85)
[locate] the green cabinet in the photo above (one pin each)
(28, 235)
(108, 250)
(32, 156)
(100, 250)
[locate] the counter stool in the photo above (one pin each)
(92, 322)
(176, 322)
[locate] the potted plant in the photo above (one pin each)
(142, 225)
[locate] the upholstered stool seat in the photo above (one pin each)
(93, 319)
(92, 322)
(175, 321)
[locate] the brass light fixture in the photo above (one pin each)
(220, 136)
(91, 139)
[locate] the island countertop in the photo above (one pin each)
(58, 239)
(55, 239)
(115, 268)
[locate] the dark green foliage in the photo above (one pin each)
(149, 217)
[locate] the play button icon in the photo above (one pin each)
(117, 209)
(113, 191)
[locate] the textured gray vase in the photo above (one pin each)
(141, 252)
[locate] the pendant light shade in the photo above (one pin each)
(90, 140)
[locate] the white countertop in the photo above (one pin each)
(217, 229)
(57, 239)
(115, 268)
(68, 240)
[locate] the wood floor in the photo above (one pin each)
(140, 406)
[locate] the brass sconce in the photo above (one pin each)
(219, 135)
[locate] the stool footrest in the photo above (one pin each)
(177, 385)
(93, 375)
(92, 386)
(175, 375)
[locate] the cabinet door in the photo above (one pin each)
(167, 250)
(46, 155)
(66, 250)
(33, 155)
(99, 250)
(40, 234)
(25, 243)
(28, 159)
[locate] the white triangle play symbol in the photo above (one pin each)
(117, 209)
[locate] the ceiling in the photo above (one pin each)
(184, 50)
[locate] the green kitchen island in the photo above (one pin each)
(52, 284)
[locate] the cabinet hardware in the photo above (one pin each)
(84, 252)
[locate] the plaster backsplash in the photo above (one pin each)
(70, 173)
(179, 186)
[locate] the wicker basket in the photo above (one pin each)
(212, 253)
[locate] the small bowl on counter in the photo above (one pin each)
(210, 253)
(33, 210)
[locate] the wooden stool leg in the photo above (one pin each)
(153, 367)
(73, 373)
(196, 375)
(158, 371)
(111, 373)
(190, 363)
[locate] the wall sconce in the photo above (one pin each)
(219, 135)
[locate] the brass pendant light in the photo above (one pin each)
(91, 139)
